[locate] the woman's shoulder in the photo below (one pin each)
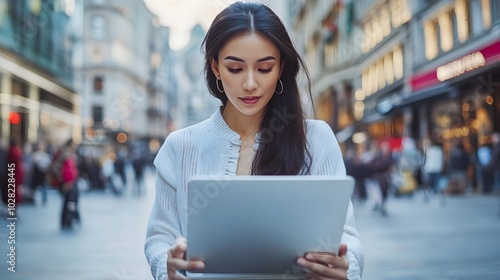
(317, 128)
(188, 133)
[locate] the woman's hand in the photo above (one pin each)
(326, 265)
(176, 261)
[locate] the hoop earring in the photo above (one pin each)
(217, 84)
(281, 91)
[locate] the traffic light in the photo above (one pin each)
(14, 117)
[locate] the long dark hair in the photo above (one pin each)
(283, 144)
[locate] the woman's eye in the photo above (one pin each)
(234, 70)
(265, 70)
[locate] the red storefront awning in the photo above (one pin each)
(464, 64)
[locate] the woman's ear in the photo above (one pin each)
(282, 66)
(215, 67)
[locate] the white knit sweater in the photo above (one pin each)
(212, 148)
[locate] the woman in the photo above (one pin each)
(251, 66)
(65, 172)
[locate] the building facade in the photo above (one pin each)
(193, 103)
(37, 99)
(326, 34)
(121, 71)
(399, 68)
(455, 85)
(428, 70)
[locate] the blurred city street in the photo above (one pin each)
(107, 246)
(459, 239)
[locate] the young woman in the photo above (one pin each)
(251, 66)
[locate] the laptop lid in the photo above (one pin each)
(260, 225)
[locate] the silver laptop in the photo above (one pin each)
(255, 227)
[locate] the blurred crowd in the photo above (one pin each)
(381, 169)
(70, 168)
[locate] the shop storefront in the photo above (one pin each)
(458, 101)
(461, 97)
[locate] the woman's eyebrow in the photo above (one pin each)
(241, 60)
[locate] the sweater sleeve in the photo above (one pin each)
(327, 160)
(164, 225)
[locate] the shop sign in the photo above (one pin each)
(468, 63)
(460, 66)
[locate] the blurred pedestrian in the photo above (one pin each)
(41, 162)
(433, 166)
(27, 191)
(381, 166)
(15, 169)
(64, 168)
(458, 163)
(111, 179)
(3, 171)
(138, 165)
(353, 169)
(120, 164)
(367, 164)
(410, 161)
(252, 67)
(494, 164)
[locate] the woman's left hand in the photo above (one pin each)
(326, 265)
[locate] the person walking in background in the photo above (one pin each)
(138, 165)
(120, 164)
(353, 169)
(494, 164)
(64, 170)
(484, 155)
(458, 164)
(14, 162)
(111, 179)
(3, 174)
(382, 165)
(433, 166)
(372, 187)
(410, 161)
(41, 162)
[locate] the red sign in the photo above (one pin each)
(14, 117)
(470, 62)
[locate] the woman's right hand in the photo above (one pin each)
(176, 261)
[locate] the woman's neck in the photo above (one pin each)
(245, 126)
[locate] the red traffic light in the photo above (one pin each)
(14, 118)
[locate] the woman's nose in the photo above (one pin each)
(250, 83)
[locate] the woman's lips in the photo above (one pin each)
(250, 99)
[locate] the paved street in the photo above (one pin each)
(460, 240)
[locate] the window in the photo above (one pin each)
(98, 84)
(4, 14)
(374, 78)
(398, 63)
(445, 32)
(486, 13)
(385, 21)
(98, 115)
(463, 20)
(389, 69)
(431, 40)
(400, 12)
(19, 87)
(495, 10)
(98, 26)
(381, 74)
